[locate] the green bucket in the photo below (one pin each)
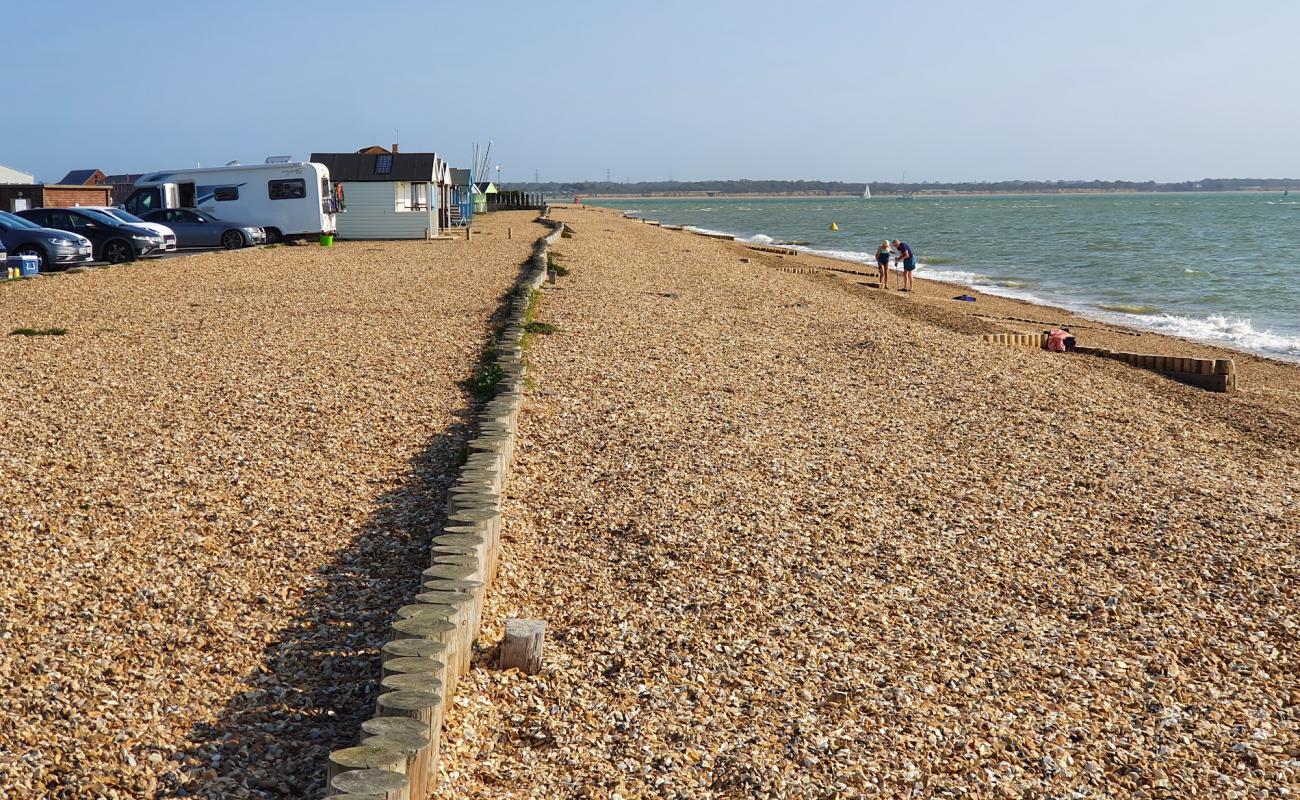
(326, 240)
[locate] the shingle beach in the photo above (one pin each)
(215, 490)
(791, 536)
(795, 537)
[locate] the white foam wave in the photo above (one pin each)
(1236, 332)
(698, 229)
(757, 238)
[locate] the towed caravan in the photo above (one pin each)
(290, 200)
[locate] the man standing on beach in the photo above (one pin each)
(909, 263)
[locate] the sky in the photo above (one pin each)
(849, 90)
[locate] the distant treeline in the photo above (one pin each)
(591, 188)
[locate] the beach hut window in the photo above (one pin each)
(412, 196)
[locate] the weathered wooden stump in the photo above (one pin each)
(373, 783)
(522, 647)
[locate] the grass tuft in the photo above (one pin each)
(544, 328)
(483, 384)
(553, 263)
(38, 331)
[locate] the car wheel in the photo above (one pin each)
(273, 235)
(232, 240)
(33, 250)
(118, 251)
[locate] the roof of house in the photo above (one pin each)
(378, 166)
(125, 177)
(79, 177)
(485, 187)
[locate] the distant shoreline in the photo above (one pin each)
(919, 195)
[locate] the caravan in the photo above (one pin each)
(291, 200)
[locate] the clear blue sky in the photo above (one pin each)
(848, 89)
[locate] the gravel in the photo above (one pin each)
(215, 491)
(791, 538)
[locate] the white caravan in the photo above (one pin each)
(291, 200)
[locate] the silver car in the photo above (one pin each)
(196, 228)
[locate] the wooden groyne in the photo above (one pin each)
(1214, 374)
(432, 637)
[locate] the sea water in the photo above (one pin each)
(1219, 268)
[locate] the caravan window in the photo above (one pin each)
(295, 189)
(225, 193)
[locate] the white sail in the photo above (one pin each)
(866, 191)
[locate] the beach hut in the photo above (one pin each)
(481, 191)
(462, 197)
(389, 195)
(444, 190)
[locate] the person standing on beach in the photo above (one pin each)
(883, 254)
(909, 263)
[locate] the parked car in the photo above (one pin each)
(196, 228)
(54, 248)
(114, 240)
(168, 235)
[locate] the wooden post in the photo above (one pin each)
(366, 757)
(425, 707)
(507, 231)
(373, 783)
(522, 647)
(415, 749)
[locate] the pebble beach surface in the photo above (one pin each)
(215, 490)
(795, 537)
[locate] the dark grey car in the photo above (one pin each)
(196, 228)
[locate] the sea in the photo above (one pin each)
(1222, 268)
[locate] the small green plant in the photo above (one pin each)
(483, 384)
(553, 263)
(38, 331)
(534, 300)
(544, 328)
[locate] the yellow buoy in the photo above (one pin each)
(834, 227)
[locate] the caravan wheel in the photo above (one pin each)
(273, 235)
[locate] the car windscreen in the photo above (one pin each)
(122, 216)
(99, 216)
(17, 221)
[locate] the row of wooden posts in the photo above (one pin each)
(1215, 374)
(516, 201)
(432, 638)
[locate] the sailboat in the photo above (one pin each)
(866, 191)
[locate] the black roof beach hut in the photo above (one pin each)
(389, 195)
